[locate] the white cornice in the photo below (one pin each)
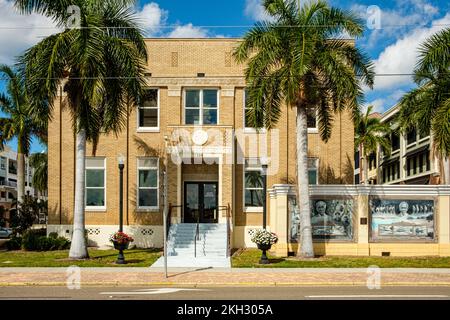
(372, 190)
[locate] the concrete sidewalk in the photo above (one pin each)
(222, 277)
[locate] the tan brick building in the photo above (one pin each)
(196, 98)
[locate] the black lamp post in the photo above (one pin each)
(121, 160)
(264, 259)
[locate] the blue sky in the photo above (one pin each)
(393, 47)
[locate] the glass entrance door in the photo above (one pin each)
(200, 202)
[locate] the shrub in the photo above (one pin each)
(61, 243)
(15, 243)
(53, 235)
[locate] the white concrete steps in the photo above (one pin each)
(210, 250)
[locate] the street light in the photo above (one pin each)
(264, 164)
(121, 161)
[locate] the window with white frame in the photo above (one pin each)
(148, 182)
(253, 184)
(201, 106)
(313, 171)
(95, 183)
(248, 124)
(311, 119)
(148, 115)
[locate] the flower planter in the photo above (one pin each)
(264, 247)
(121, 246)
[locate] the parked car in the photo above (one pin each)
(5, 232)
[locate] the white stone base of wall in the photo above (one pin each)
(98, 235)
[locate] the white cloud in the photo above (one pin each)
(255, 10)
(385, 103)
(188, 31)
(397, 21)
(401, 57)
(19, 32)
(152, 17)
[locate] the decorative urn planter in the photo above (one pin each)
(264, 247)
(121, 246)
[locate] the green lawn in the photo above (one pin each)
(98, 258)
(249, 258)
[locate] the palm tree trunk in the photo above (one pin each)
(20, 175)
(78, 247)
(446, 170)
(305, 248)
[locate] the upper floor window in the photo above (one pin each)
(248, 123)
(201, 106)
(148, 183)
(148, 115)
(311, 119)
(411, 136)
(12, 166)
(95, 183)
(395, 141)
(2, 163)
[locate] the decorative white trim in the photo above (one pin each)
(355, 190)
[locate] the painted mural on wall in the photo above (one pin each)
(402, 219)
(330, 219)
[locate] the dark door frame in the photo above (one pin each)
(201, 200)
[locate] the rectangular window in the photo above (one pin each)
(201, 106)
(148, 115)
(95, 183)
(148, 182)
(248, 124)
(357, 181)
(253, 184)
(411, 136)
(395, 141)
(357, 160)
(311, 119)
(313, 171)
(12, 166)
(2, 163)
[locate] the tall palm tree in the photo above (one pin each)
(100, 65)
(297, 60)
(370, 133)
(428, 106)
(20, 122)
(39, 162)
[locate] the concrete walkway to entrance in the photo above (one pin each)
(221, 277)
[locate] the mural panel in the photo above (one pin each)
(402, 219)
(331, 219)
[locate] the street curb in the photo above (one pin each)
(236, 284)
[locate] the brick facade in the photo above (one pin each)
(174, 65)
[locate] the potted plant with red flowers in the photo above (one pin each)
(121, 242)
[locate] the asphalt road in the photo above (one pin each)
(225, 293)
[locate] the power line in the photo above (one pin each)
(174, 26)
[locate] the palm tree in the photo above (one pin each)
(428, 106)
(370, 133)
(20, 122)
(296, 61)
(100, 65)
(39, 162)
